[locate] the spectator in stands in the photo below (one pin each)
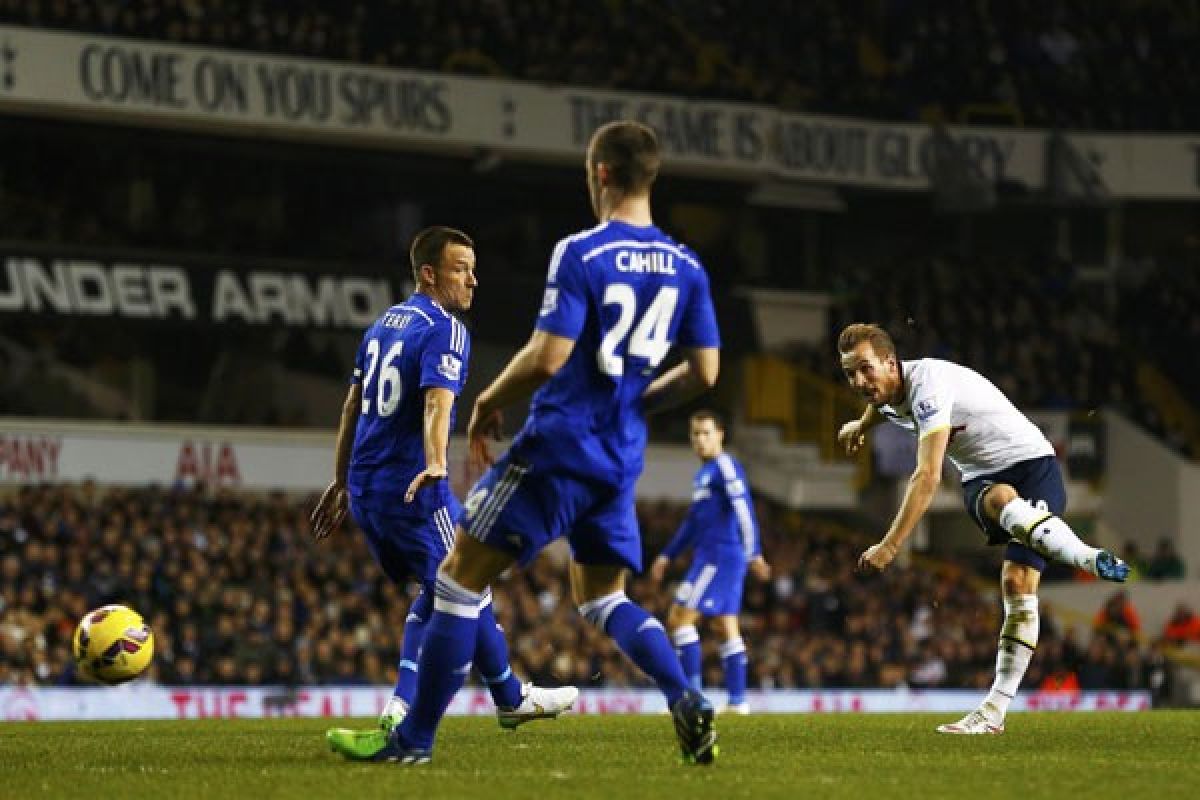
(1118, 614)
(1183, 627)
(1062, 679)
(1096, 669)
(1166, 564)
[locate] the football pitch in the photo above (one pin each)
(1050, 755)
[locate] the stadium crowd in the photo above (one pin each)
(237, 592)
(1066, 63)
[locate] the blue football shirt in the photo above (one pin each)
(720, 524)
(413, 346)
(626, 295)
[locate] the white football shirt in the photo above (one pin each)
(987, 432)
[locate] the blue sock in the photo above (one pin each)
(687, 646)
(491, 659)
(733, 658)
(444, 662)
(414, 635)
(642, 638)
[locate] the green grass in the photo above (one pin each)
(1046, 755)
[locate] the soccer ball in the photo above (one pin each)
(112, 645)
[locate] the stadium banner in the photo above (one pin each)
(53, 452)
(57, 452)
(135, 81)
(146, 289)
(147, 701)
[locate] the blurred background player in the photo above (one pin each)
(618, 297)
(1012, 487)
(391, 471)
(722, 528)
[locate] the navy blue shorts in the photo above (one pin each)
(518, 508)
(407, 545)
(1039, 482)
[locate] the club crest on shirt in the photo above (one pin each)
(451, 367)
(925, 409)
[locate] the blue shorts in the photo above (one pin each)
(518, 508)
(713, 588)
(404, 544)
(1038, 481)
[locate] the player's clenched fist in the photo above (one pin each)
(876, 557)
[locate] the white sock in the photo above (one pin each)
(684, 634)
(1018, 639)
(1047, 534)
(396, 708)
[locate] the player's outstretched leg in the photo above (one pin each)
(644, 640)
(516, 703)
(1049, 535)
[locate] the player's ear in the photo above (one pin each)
(429, 274)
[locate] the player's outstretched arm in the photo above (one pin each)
(331, 508)
(931, 450)
(537, 362)
(685, 381)
(439, 402)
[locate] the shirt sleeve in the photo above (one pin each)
(444, 356)
(698, 328)
(743, 510)
(360, 361)
(685, 537)
(564, 302)
(932, 402)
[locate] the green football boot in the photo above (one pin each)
(357, 745)
(365, 745)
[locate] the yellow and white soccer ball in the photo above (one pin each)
(113, 644)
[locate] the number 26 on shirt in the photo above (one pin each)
(388, 389)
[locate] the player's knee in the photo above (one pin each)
(727, 628)
(473, 564)
(1017, 579)
(677, 617)
(996, 498)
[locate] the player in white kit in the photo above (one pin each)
(1012, 487)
